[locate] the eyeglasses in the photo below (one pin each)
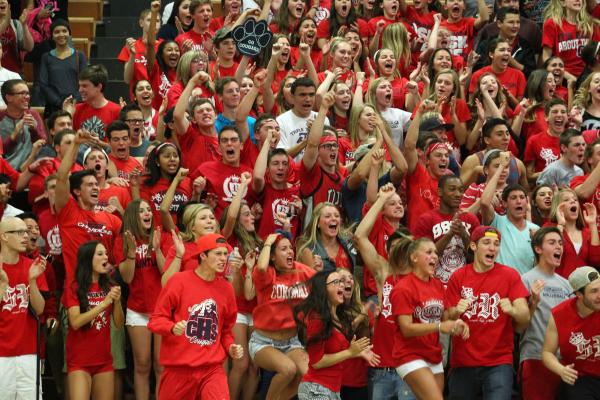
(134, 121)
(336, 282)
(19, 232)
(23, 93)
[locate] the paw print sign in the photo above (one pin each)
(251, 37)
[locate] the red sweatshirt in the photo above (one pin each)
(210, 311)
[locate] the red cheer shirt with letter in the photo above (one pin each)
(385, 325)
(77, 226)
(145, 287)
(566, 42)
(155, 194)
(275, 201)
(223, 180)
(317, 186)
(578, 338)
(17, 325)
(543, 149)
(209, 310)
(424, 301)
(330, 377)
(462, 35)
(491, 340)
(197, 148)
(277, 293)
(434, 225)
(90, 344)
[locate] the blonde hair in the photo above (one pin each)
(353, 128)
(455, 90)
(371, 97)
(310, 237)
(583, 97)
(557, 199)
(395, 38)
(184, 70)
(335, 43)
(189, 221)
(583, 21)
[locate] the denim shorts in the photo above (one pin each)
(386, 384)
(315, 391)
(259, 342)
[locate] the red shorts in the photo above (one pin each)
(537, 381)
(91, 369)
(198, 383)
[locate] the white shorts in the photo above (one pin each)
(244, 319)
(17, 377)
(136, 319)
(414, 365)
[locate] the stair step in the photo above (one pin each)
(119, 26)
(107, 47)
(128, 8)
(114, 67)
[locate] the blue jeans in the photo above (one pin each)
(494, 382)
(385, 384)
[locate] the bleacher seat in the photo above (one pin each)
(86, 8)
(84, 45)
(83, 27)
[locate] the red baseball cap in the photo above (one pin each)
(482, 231)
(210, 242)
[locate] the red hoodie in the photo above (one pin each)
(210, 311)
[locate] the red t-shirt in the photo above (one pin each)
(386, 327)
(319, 186)
(422, 194)
(316, 56)
(187, 261)
(36, 184)
(512, 79)
(223, 180)
(95, 120)
(48, 223)
(424, 301)
(595, 198)
(209, 309)
(145, 287)
(578, 338)
(537, 125)
(17, 325)
(434, 225)
(197, 38)
(473, 193)
(543, 149)
(221, 71)
(161, 82)
(462, 35)
(90, 344)
(566, 42)
(125, 167)
(275, 201)
(77, 226)
(462, 112)
(174, 93)
(323, 28)
(140, 72)
(197, 148)
(10, 60)
(330, 377)
(491, 330)
(155, 194)
(122, 194)
(277, 293)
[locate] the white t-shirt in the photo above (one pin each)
(294, 130)
(398, 120)
(167, 12)
(5, 75)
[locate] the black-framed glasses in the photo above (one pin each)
(336, 282)
(19, 232)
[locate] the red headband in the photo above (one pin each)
(327, 139)
(436, 146)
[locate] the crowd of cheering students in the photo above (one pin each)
(389, 201)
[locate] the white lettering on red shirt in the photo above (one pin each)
(484, 307)
(16, 297)
(203, 323)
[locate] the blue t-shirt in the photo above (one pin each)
(354, 200)
(221, 122)
(515, 245)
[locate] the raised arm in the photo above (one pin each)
(484, 14)
(150, 51)
(398, 160)
(181, 122)
(487, 197)
(167, 201)
(316, 130)
(234, 208)
(130, 63)
(265, 253)
(412, 135)
(246, 105)
(260, 165)
(62, 175)
(588, 187)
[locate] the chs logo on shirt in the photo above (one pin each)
(280, 206)
(431, 311)
(231, 185)
(585, 347)
(164, 85)
(53, 241)
(483, 307)
(203, 323)
(16, 299)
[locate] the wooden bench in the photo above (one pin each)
(84, 45)
(83, 27)
(87, 8)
